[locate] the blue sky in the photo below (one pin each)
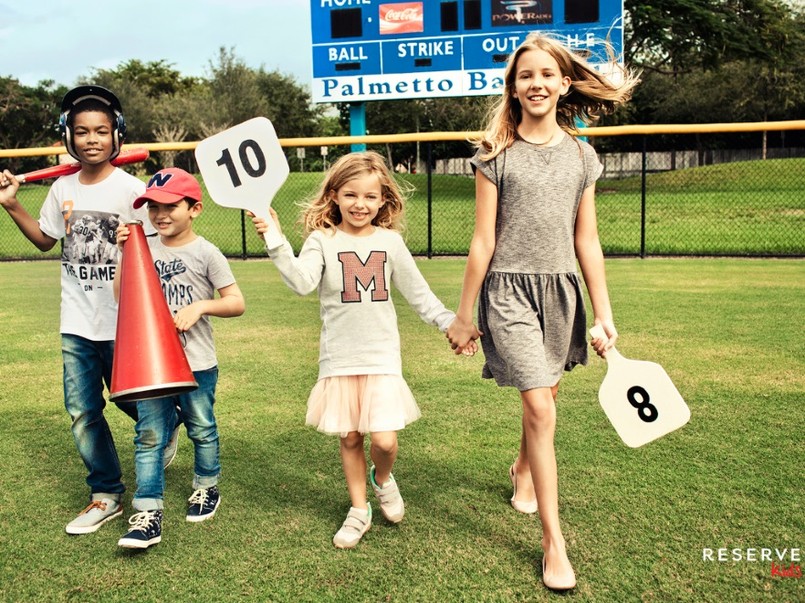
(63, 40)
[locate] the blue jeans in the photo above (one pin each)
(87, 366)
(154, 427)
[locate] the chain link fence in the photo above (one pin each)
(677, 195)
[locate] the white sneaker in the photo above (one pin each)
(97, 513)
(354, 527)
(391, 502)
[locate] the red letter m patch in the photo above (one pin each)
(357, 273)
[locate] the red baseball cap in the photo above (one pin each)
(170, 185)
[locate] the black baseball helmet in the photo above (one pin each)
(97, 93)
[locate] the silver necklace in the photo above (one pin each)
(542, 144)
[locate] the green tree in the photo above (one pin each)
(289, 105)
(235, 93)
(155, 78)
(239, 92)
(422, 115)
(328, 124)
(681, 35)
(140, 88)
(28, 118)
(716, 60)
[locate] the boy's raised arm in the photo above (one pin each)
(24, 221)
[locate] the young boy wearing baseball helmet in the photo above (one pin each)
(75, 210)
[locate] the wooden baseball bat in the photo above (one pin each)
(129, 156)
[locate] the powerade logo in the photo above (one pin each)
(521, 12)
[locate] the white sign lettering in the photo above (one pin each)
(408, 85)
(425, 49)
(344, 3)
(346, 53)
(500, 44)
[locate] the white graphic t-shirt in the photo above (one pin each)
(86, 217)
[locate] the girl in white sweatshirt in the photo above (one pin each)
(353, 253)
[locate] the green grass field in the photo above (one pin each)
(742, 208)
(754, 208)
(636, 521)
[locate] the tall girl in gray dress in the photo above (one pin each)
(535, 216)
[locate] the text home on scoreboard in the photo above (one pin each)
(380, 49)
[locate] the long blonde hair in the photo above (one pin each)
(591, 94)
(321, 212)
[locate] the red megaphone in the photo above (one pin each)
(149, 361)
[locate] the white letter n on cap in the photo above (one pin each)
(159, 180)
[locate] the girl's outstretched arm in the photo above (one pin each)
(591, 261)
(303, 274)
(414, 288)
(260, 224)
(482, 247)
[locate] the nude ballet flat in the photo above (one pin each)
(557, 586)
(529, 507)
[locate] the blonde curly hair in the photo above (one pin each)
(321, 212)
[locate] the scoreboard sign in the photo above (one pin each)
(366, 50)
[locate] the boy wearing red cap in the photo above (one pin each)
(190, 270)
(83, 210)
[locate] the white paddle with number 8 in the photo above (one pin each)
(639, 398)
(244, 167)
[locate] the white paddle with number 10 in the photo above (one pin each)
(244, 167)
(639, 398)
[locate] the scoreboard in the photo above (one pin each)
(366, 50)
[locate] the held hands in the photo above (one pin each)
(469, 350)
(603, 345)
(8, 188)
(122, 235)
(462, 336)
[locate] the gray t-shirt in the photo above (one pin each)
(539, 190)
(188, 274)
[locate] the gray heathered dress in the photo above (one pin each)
(531, 306)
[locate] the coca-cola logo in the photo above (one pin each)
(401, 17)
(408, 14)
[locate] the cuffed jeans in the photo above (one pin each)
(154, 427)
(87, 366)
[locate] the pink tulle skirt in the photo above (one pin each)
(362, 403)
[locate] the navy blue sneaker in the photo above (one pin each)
(146, 529)
(203, 504)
